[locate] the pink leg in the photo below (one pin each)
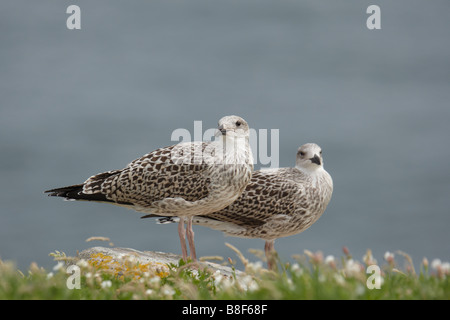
(190, 236)
(182, 234)
(269, 249)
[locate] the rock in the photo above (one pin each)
(123, 260)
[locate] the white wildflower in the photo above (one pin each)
(389, 257)
(441, 267)
(445, 267)
(167, 290)
(290, 283)
(254, 267)
(82, 263)
(106, 284)
(352, 267)
(295, 268)
(218, 280)
(132, 259)
(253, 286)
(195, 274)
(218, 277)
(245, 281)
(248, 283)
(149, 292)
(154, 280)
(226, 283)
(59, 266)
(436, 264)
(329, 259)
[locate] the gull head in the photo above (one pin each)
(309, 157)
(232, 126)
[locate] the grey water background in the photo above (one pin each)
(77, 102)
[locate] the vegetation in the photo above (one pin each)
(312, 276)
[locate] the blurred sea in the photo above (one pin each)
(77, 102)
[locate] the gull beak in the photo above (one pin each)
(222, 130)
(315, 159)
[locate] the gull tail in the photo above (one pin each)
(75, 192)
(162, 220)
(91, 190)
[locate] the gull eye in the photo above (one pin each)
(301, 153)
(238, 123)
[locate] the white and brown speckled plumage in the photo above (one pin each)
(183, 180)
(156, 184)
(277, 202)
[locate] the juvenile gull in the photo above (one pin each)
(277, 202)
(182, 180)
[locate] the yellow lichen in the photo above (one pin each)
(127, 267)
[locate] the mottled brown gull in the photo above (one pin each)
(182, 180)
(277, 202)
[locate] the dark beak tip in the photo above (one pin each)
(315, 159)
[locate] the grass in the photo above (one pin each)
(311, 276)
